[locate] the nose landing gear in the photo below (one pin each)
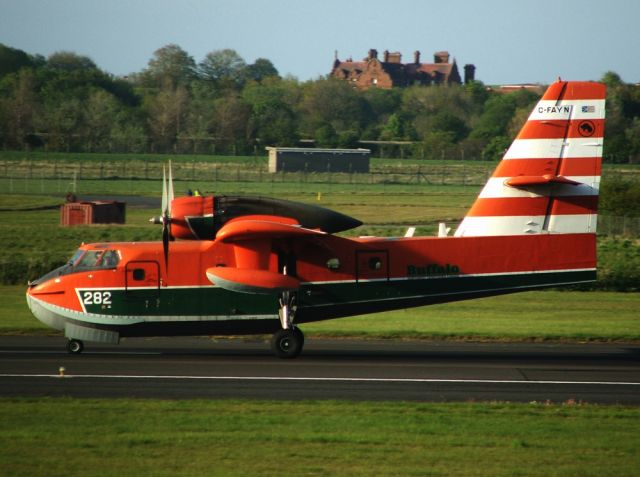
(75, 346)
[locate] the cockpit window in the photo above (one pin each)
(84, 261)
(95, 260)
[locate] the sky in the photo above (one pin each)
(509, 41)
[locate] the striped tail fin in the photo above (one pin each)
(548, 180)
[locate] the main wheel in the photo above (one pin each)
(287, 344)
(75, 346)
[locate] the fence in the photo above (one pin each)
(612, 226)
(252, 170)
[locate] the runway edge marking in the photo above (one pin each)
(318, 379)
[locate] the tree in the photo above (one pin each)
(611, 79)
(273, 120)
(200, 117)
(60, 120)
(170, 65)
(446, 121)
(100, 116)
(395, 129)
(496, 148)
(495, 118)
(230, 122)
(438, 109)
(331, 101)
(260, 70)
(13, 60)
(19, 107)
(69, 61)
(223, 67)
(167, 112)
(326, 136)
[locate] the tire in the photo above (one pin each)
(75, 346)
(287, 344)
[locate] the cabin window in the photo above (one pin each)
(375, 263)
(333, 263)
(138, 274)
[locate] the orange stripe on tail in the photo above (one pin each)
(548, 181)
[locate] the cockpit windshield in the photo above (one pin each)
(84, 260)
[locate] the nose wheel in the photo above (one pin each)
(75, 346)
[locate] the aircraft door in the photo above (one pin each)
(372, 265)
(142, 287)
(142, 274)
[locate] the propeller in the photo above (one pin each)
(165, 218)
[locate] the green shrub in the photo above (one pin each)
(618, 265)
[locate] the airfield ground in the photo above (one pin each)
(92, 437)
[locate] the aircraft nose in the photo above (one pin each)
(44, 313)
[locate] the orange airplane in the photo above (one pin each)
(256, 265)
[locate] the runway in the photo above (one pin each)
(180, 368)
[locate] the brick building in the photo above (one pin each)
(392, 72)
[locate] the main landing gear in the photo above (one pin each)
(75, 346)
(287, 342)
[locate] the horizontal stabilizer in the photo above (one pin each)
(526, 181)
(242, 230)
(246, 280)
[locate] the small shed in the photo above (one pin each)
(96, 212)
(298, 159)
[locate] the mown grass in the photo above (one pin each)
(542, 315)
(549, 315)
(88, 437)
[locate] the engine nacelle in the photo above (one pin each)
(200, 217)
(192, 218)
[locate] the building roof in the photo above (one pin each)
(371, 69)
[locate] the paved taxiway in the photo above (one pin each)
(327, 369)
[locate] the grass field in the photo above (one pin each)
(55, 437)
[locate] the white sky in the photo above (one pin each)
(508, 41)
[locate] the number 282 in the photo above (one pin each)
(96, 298)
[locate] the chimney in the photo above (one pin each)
(372, 54)
(416, 57)
(441, 57)
(469, 73)
(386, 56)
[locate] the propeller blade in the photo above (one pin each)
(164, 191)
(165, 241)
(167, 198)
(170, 190)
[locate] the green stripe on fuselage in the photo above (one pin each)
(326, 300)
(197, 301)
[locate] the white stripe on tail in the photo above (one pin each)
(549, 178)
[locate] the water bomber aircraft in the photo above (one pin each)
(250, 265)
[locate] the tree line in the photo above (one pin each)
(222, 105)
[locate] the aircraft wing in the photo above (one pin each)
(252, 240)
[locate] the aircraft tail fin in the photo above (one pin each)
(548, 180)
